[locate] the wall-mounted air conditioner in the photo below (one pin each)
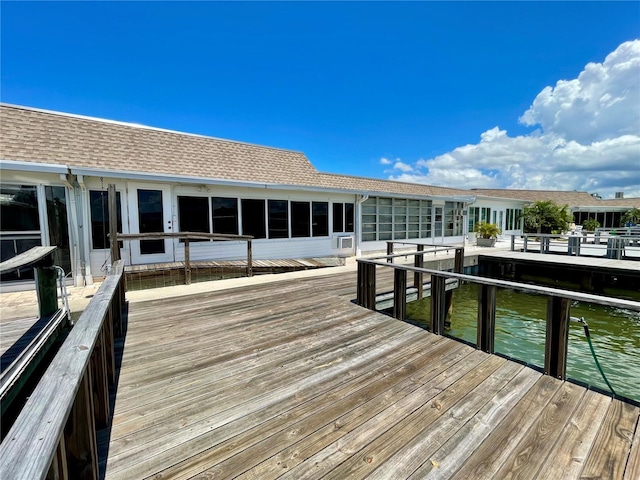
(345, 242)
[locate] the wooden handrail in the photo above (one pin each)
(558, 305)
(56, 428)
(187, 236)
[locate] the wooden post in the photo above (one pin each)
(113, 223)
(513, 243)
(459, 260)
(249, 259)
(58, 469)
(418, 261)
(555, 350)
(486, 318)
(187, 263)
(389, 251)
(98, 366)
(46, 290)
(526, 240)
(438, 304)
(370, 286)
(109, 341)
(400, 294)
(80, 433)
(360, 291)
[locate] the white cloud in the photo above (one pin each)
(403, 167)
(385, 161)
(589, 138)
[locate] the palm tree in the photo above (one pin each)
(546, 217)
(630, 216)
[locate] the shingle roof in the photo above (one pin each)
(31, 135)
(570, 198)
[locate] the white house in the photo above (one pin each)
(56, 167)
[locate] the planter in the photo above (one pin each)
(486, 242)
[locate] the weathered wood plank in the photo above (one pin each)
(632, 471)
(612, 445)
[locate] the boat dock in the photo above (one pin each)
(287, 377)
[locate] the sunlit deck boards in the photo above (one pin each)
(290, 380)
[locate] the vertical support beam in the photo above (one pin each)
(513, 243)
(98, 366)
(389, 251)
(109, 343)
(399, 294)
(418, 261)
(80, 433)
(360, 291)
(526, 240)
(486, 318)
(46, 291)
(438, 304)
(113, 223)
(249, 259)
(555, 350)
(370, 295)
(459, 260)
(58, 469)
(187, 263)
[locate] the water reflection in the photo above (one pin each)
(520, 334)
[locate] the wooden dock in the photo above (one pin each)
(291, 379)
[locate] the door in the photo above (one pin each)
(150, 212)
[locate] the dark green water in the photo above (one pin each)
(520, 334)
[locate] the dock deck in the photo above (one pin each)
(290, 379)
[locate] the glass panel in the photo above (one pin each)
(99, 206)
(385, 219)
(224, 213)
(253, 218)
(386, 210)
(320, 219)
(384, 201)
(400, 202)
(384, 236)
(10, 247)
(338, 217)
(58, 226)
(414, 203)
(278, 219)
(384, 227)
(368, 209)
(193, 215)
(18, 208)
(349, 217)
(368, 237)
(300, 220)
(368, 219)
(150, 220)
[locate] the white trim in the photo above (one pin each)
(33, 166)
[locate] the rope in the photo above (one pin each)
(593, 352)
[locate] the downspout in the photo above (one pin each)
(360, 199)
(83, 213)
(76, 254)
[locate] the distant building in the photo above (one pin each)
(582, 205)
(56, 168)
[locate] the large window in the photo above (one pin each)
(100, 218)
(193, 215)
(58, 224)
(278, 218)
(513, 218)
(253, 218)
(395, 219)
(300, 219)
(320, 220)
(225, 215)
(452, 219)
(343, 217)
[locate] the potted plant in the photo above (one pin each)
(590, 224)
(487, 234)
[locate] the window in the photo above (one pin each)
(224, 214)
(193, 215)
(278, 219)
(338, 217)
(58, 225)
(320, 219)
(343, 217)
(300, 220)
(100, 218)
(348, 217)
(253, 218)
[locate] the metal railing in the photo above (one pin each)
(558, 306)
(579, 244)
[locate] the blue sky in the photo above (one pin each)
(449, 93)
